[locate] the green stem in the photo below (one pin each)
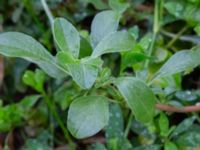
(175, 38)
(158, 11)
(57, 117)
(47, 11)
(128, 125)
(150, 51)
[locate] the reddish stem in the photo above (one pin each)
(186, 109)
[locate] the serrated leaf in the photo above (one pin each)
(138, 96)
(179, 62)
(115, 42)
(66, 36)
(87, 116)
(14, 44)
(103, 24)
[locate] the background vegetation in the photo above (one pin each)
(34, 107)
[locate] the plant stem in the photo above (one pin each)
(176, 37)
(128, 125)
(186, 109)
(57, 118)
(158, 10)
(150, 51)
(47, 11)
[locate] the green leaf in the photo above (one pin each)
(97, 146)
(197, 29)
(139, 97)
(35, 80)
(115, 127)
(163, 125)
(14, 44)
(184, 126)
(66, 36)
(87, 116)
(189, 139)
(130, 58)
(103, 24)
(148, 147)
(134, 31)
(179, 62)
(85, 48)
(29, 101)
(118, 6)
(10, 116)
(115, 42)
(98, 4)
(41, 142)
(85, 72)
(64, 58)
(184, 10)
(64, 95)
(170, 146)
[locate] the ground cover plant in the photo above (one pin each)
(100, 75)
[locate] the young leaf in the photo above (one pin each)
(179, 62)
(66, 36)
(139, 97)
(85, 72)
(115, 42)
(163, 123)
(35, 80)
(14, 44)
(87, 116)
(118, 5)
(103, 24)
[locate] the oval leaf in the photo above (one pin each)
(66, 36)
(179, 62)
(85, 72)
(118, 5)
(87, 116)
(14, 44)
(103, 24)
(115, 42)
(139, 97)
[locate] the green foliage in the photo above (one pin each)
(13, 115)
(35, 80)
(66, 36)
(87, 115)
(14, 44)
(138, 96)
(103, 24)
(179, 62)
(115, 42)
(108, 80)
